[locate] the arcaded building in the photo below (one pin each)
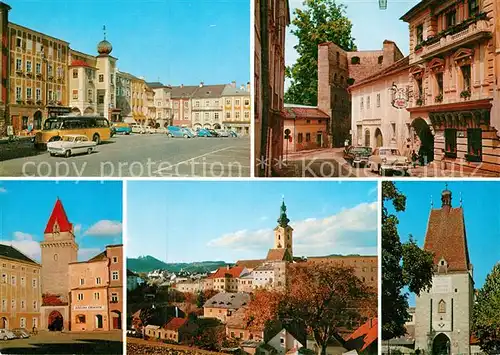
(20, 292)
(96, 289)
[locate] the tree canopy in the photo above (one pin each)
(403, 265)
(320, 21)
(486, 313)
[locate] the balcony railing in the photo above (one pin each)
(468, 31)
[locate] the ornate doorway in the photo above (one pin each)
(441, 345)
(55, 321)
(426, 138)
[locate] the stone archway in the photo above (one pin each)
(207, 125)
(424, 133)
(116, 320)
(216, 126)
(379, 139)
(441, 345)
(4, 323)
(75, 111)
(367, 138)
(55, 321)
(88, 111)
(37, 120)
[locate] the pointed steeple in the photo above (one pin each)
(58, 219)
(283, 220)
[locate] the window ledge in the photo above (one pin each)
(450, 154)
(473, 158)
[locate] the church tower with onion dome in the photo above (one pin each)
(283, 233)
(106, 80)
(442, 315)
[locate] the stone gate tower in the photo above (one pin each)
(443, 314)
(283, 232)
(58, 250)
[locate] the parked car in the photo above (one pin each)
(202, 132)
(71, 144)
(162, 130)
(190, 132)
(134, 333)
(6, 334)
(21, 333)
(175, 131)
(213, 132)
(388, 160)
(222, 133)
(149, 130)
(357, 156)
(121, 127)
(137, 128)
(233, 134)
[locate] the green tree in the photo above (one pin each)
(200, 300)
(486, 313)
(403, 265)
(320, 21)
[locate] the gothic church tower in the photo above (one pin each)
(58, 250)
(442, 316)
(283, 232)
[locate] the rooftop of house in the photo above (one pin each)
(292, 112)
(208, 91)
(249, 264)
(9, 252)
(229, 90)
(228, 300)
(221, 272)
(278, 254)
(175, 323)
(399, 66)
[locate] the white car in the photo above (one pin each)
(6, 334)
(388, 160)
(137, 128)
(222, 133)
(71, 144)
(149, 130)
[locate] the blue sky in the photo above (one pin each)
(481, 211)
(94, 208)
(196, 221)
(371, 26)
(179, 41)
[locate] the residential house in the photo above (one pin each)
(177, 330)
(163, 103)
(133, 280)
(239, 328)
(223, 305)
(225, 279)
(206, 106)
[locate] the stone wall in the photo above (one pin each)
(140, 347)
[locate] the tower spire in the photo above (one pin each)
(446, 197)
(283, 220)
(104, 30)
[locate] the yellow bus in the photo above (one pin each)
(96, 128)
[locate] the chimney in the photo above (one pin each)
(391, 53)
(201, 84)
(233, 84)
(248, 86)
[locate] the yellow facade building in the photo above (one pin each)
(236, 108)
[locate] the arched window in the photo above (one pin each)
(442, 306)
(355, 60)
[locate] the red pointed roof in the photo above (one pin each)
(364, 336)
(234, 272)
(58, 215)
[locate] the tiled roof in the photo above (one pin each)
(80, 63)
(446, 238)
(99, 257)
(249, 264)
(182, 91)
(208, 91)
(238, 320)
(230, 91)
(228, 300)
(175, 323)
(400, 65)
(363, 337)
(52, 300)
(155, 84)
(303, 112)
(234, 271)
(58, 215)
(277, 254)
(10, 252)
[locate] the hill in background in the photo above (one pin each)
(148, 263)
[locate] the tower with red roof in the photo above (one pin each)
(442, 316)
(58, 249)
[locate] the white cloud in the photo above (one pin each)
(105, 228)
(3, 190)
(85, 254)
(25, 243)
(351, 231)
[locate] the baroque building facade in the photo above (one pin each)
(454, 70)
(236, 108)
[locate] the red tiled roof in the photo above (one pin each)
(277, 254)
(175, 323)
(249, 264)
(52, 300)
(58, 215)
(80, 63)
(223, 271)
(446, 238)
(368, 332)
(303, 112)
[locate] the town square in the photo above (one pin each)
(293, 274)
(362, 89)
(62, 272)
(142, 115)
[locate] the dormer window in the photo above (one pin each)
(442, 266)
